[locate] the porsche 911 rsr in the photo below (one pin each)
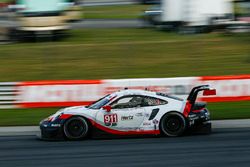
(131, 113)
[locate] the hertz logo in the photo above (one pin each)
(126, 118)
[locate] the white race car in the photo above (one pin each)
(130, 113)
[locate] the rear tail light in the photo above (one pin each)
(187, 109)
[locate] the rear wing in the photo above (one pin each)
(207, 91)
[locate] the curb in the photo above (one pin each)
(34, 130)
(19, 130)
(236, 123)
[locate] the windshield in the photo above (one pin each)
(99, 103)
(42, 5)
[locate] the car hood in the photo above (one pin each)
(78, 110)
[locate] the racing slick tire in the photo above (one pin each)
(173, 124)
(76, 128)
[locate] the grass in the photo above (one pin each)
(125, 53)
(4, 1)
(114, 11)
(24, 117)
(229, 110)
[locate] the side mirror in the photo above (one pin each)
(107, 108)
(209, 92)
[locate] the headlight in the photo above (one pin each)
(59, 111)
(55, 116)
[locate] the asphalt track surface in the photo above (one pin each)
(224, 147)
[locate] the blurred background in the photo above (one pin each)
(117, 39)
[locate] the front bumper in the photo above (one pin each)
(51, 131)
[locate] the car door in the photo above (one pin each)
(126, 114)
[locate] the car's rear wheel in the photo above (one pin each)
(76, 128)
(173, 124)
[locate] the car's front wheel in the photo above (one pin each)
(76, 128)
(173, 124)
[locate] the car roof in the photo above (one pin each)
(145, 93)
(135, 92)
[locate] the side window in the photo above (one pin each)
(128, 102)
(151, 101)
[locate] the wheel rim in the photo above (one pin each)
(173, 124)
(76, 129)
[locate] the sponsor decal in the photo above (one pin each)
(155, 121)
(55, 125)
(127, 118)
(127, 128)
(110, 119)
(146, 123)
(139, 114)
(139, 129)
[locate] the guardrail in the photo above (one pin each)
(8, 95)
(82, 92)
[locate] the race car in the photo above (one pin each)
(131, 113)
